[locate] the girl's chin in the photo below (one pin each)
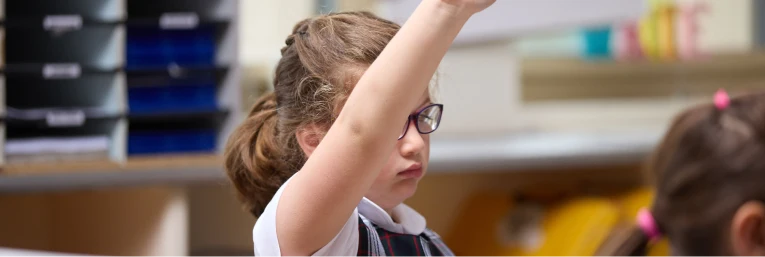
(405, 188)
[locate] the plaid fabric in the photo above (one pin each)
(376, 241)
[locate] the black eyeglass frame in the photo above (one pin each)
(417, 124)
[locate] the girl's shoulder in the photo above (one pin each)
(266, 242)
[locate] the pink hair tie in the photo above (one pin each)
(648, 224)
(721, 99)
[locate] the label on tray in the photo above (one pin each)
(61, 71)
(62, 22)
(65, 118)
(178, 21)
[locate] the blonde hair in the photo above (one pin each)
(323, 59)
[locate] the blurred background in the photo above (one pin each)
(115, 113)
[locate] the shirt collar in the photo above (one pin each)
(410, 221)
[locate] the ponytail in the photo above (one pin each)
(629, 242)
(633, 241)
(253, 156)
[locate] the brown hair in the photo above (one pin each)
(323, 59)
(710, 162)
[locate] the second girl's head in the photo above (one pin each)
(709, 174)
(321, 63)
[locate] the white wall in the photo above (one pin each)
(479, 87)
(727, 27)
(265, 25)
(483, 73)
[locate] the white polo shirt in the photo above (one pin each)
(346, 242)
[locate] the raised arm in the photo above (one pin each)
(323, 194)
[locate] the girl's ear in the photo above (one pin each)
(747, 231)
(308, 138)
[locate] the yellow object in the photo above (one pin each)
(657, 30)
(635, 200)
(572, 227)
(647, 32)
(647, 37)
(475, 232)
(665, 30)
(577, 227)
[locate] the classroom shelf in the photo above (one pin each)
(560, 79)
(143, 77)
(181, 75)
(524, 151)
(521, 152)
(137, 171)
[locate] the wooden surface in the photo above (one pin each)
(555, 79)
(135, 164)
(136, 221)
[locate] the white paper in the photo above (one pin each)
(62, 71)
(62, 22)
(65, 118)
(67, 145)
(26, 252)
(178, 21)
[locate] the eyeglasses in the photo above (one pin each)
(426, 120)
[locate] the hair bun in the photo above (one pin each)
(290, 40)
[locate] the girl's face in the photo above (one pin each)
(406, 165)
(408, 162)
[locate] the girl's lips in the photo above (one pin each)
(414, 171)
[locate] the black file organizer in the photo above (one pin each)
(63, 72)
(163, 133)
(58, 54)
(69, 125)
(90, 105)
(68, 14)
(71, 69)
(178, 59)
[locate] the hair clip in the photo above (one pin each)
(721, 99)
(648, 225)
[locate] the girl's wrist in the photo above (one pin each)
(453, 9)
